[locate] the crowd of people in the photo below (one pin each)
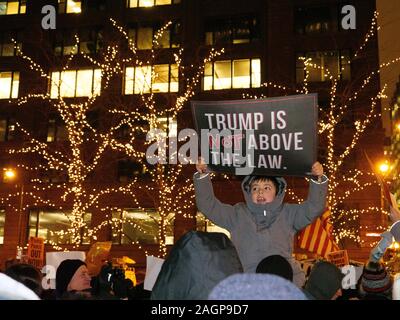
(255, 264)
(202, 266)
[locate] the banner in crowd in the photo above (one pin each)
(274, 136)
(339, 258)
(317, 237)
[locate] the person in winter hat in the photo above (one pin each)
(276, 265)
(376, 282)
(72, 275)
(324, 282)
(264, 225)
(253, 286)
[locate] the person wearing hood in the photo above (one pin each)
(264, 225)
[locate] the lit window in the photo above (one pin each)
(142, 37)
(9, 84)
(336, 62)
(12, 7)
(2, 224)
(161, 78)
(255, 73)
(150, 3)
(75, 83)
(69, 6)
(208, 76)
(228, 74)
(241, 75)
(44, 223)
(205, 225)
(164, 123)
(74, 6)
(142, 79)
(7, 129)
(139, 226)
(222, 75)
(145, 79)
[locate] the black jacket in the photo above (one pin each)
(197, 263)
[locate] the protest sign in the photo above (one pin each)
(339, 258)
(275, 136)
(35, 253)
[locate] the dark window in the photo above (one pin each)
(56, 131)
(336, 62)
(7, 129)
(7, 48)
(90, 41)
(309, 20)
(128, 170)
(53, 176)
(94, 5)
(231, 30)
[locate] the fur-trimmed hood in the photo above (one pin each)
(264, 214)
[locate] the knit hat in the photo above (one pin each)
(324, 281)
(253, 286)
(375, 280)
(277, 265)
(65, 272)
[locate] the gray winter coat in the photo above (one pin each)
(261, 230)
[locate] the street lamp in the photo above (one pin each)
(384, 169)
(9, 175)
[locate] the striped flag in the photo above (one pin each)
(317, 237)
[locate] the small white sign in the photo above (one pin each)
(153, 267)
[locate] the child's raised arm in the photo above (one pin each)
(314, 206)
(219, 213)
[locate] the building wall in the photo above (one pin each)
(389, 49)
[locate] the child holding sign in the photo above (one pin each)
(264, 225)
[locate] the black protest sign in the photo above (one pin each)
(274, 136)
